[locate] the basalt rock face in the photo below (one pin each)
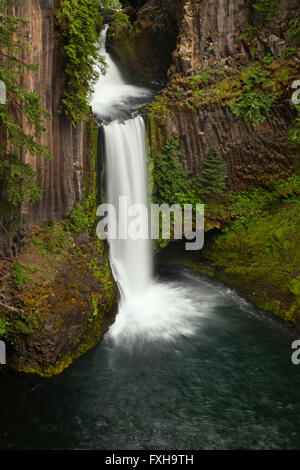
(210, 29)
(210, 39)
(252, 157)
(61, 178)
(144, 47)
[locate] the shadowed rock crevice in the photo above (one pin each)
(144, 48)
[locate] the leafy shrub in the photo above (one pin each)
(294, 31)
(18, 275)
(82, 217)
(254, 76)
(289, 51)
(268, 59)
(269, 8)
(254, 104)
(204, 76)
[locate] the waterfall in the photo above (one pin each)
(148, 309)
(113, 97)
(126, 156)
(115, 100)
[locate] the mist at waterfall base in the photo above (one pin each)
(188, 364)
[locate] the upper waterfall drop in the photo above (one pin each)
(113, 97)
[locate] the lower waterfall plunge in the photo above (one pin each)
(148, 309)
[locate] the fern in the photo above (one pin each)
(269, 8)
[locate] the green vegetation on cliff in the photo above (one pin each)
(170, 182)
(257, 97)
(269, 8)
(17, 178)
(258, 252)
(79, 25)
(248, 91)
(171, 185)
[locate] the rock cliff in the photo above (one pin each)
(57, 293)
(215, 38)
(61, 179)
(144, 47)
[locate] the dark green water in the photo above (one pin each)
(231, 385)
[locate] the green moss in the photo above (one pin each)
(294, 132)
(71, 281)
(4, 327)
(92, 312)
(248, 91)
(96, 327)
(294, 286)
(102, 272)
(269, 8)
(95, 304)
(257, 251)
(14, 328)
(294, 31)
(26, 327)
(90, 170)
(261, 261)
(82, 217)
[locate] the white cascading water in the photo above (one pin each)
(126, 156)
(148, 309)
(112, 95)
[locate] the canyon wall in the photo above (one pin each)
(144, 47)
(251, 156)
(61, 178)
(209, 39)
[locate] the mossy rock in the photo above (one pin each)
(63, 310)
(261, 261)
